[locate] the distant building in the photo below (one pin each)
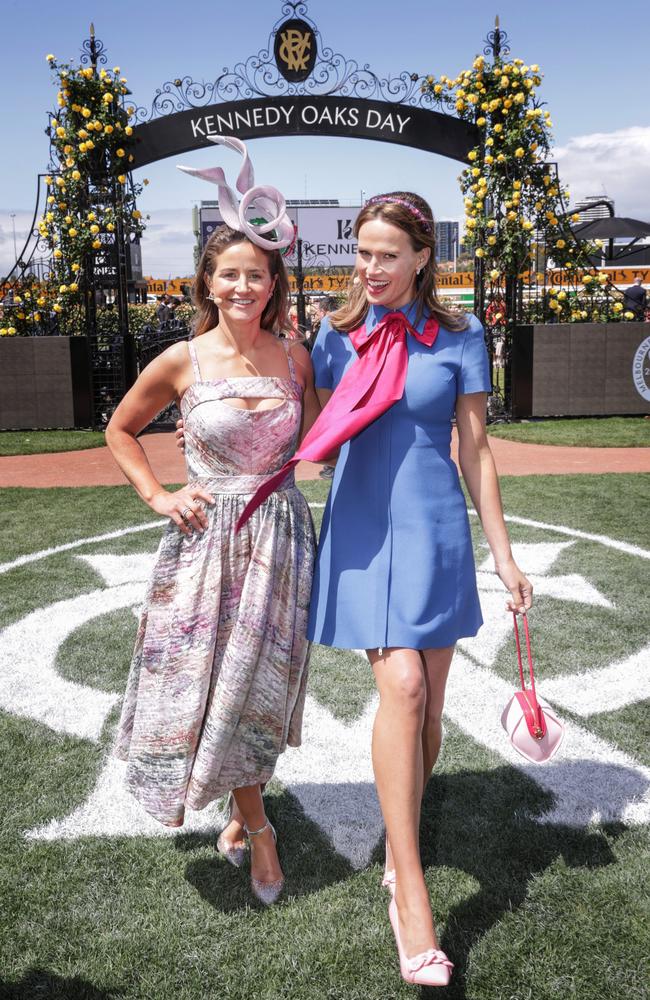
(446, 241)
(588, 210)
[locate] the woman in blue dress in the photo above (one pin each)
(395, 571)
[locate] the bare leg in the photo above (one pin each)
(265, 866)
(234, 834)
(436, 670)
(398, 765)
(436, 664)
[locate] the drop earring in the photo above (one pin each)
(217, 301)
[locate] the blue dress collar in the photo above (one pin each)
(376, 313)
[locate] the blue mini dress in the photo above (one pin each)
(395, 563)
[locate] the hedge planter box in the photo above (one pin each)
(44, 383)
(581, 369)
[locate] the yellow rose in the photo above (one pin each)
(128, 130)
(501, 158)
(136, 214)
(121, 178)
(492, 240)
(519, 152)
(489, 159)
(498, 128)
(628, 314)
(11, 330)
(82, 147)
(120, 152)
(97, 244)
(75, 267)
(108, 129)
(145, 181)
(57, 308)
(494, 274)
(90, 144)
(57, 254)
(94, 229)
(107, 98)
(617, 307)
(60, 132)
(473, 155)
(37, 317)
(72, 232)
(74, 287)
(76, 175)
(527, 224)
(560, 244)
(438, 88)
(489, 142)
(110, 227)
(63, 289)
(562, 295)
(575, 217)
(40, 301)
(60, 182)
(50, 58)
(479, 252)
(480, 121)
(68, 220)
(86, 112)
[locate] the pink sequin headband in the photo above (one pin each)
(387, 199)
(265, 199)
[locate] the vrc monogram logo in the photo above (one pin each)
(295, 50)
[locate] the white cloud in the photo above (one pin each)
(613, 163)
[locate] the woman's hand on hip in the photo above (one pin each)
(520, 587)
(185, 507)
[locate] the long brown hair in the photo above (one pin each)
(418, 223)
(276, 312)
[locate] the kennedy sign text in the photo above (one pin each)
(304, 115)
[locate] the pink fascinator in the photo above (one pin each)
(265, 199)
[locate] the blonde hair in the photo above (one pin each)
(275, 317)
(412, 214)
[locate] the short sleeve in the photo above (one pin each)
(474, 373)
(321, 356)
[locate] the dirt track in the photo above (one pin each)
(95, 467)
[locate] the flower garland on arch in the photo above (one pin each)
(514, 202)
(90, 192)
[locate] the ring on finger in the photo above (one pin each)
(184, 512)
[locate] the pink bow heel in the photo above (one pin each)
(429, 968)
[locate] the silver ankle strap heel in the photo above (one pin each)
(266, 892)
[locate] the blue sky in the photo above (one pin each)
(594, 57)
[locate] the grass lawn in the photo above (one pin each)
(39, 442)
(526, 906)
(601, 432)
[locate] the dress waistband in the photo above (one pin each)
(244, 485)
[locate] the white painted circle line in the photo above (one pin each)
(612, 543)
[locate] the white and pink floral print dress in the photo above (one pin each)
(217, 682)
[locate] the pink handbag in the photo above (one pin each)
(532, 725)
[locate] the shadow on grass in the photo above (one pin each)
(308, 860)
(483, 823)
(37, 983)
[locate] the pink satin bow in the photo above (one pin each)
(372, 384)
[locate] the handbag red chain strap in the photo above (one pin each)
(527, 697)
